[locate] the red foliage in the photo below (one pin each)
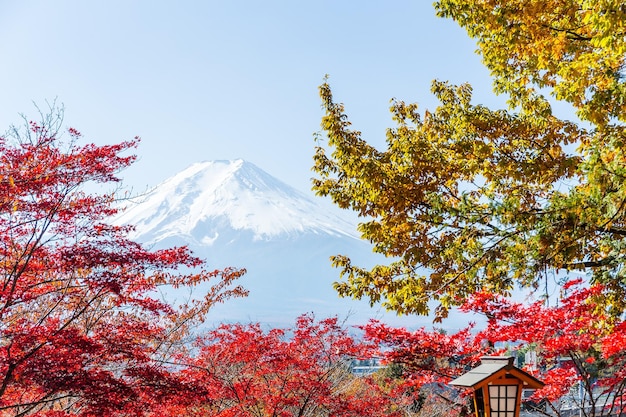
(427, 356)
(81, 328)
(576, 341)
(245, 371)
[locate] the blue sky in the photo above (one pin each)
(205, 80)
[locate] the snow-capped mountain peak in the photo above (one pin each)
(201, 201)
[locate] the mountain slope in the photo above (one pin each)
(232, 213)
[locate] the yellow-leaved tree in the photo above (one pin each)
(466, 198)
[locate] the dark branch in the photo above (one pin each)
(572, 34)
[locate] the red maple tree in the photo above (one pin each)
(82, 329)
(580, 348)
(245, 371)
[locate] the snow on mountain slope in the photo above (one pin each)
(209, 196)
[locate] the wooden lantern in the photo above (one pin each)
(497, 386)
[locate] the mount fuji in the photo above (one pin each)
(213, 197)
(232, 213)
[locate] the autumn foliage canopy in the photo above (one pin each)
(465, 198)
(303, 371)
(82, 329)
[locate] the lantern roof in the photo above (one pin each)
(493, 368)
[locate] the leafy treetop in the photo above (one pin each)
(466, 198)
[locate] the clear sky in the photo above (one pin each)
(205, 80)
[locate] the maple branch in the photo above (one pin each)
(612, 230)
(33, 404)
(573, 35)
(476, 261)
(618, 396)
(585, 380)
(8, 375)
(552, 406)
(35, 239)
(12, 365)
(590, 264)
